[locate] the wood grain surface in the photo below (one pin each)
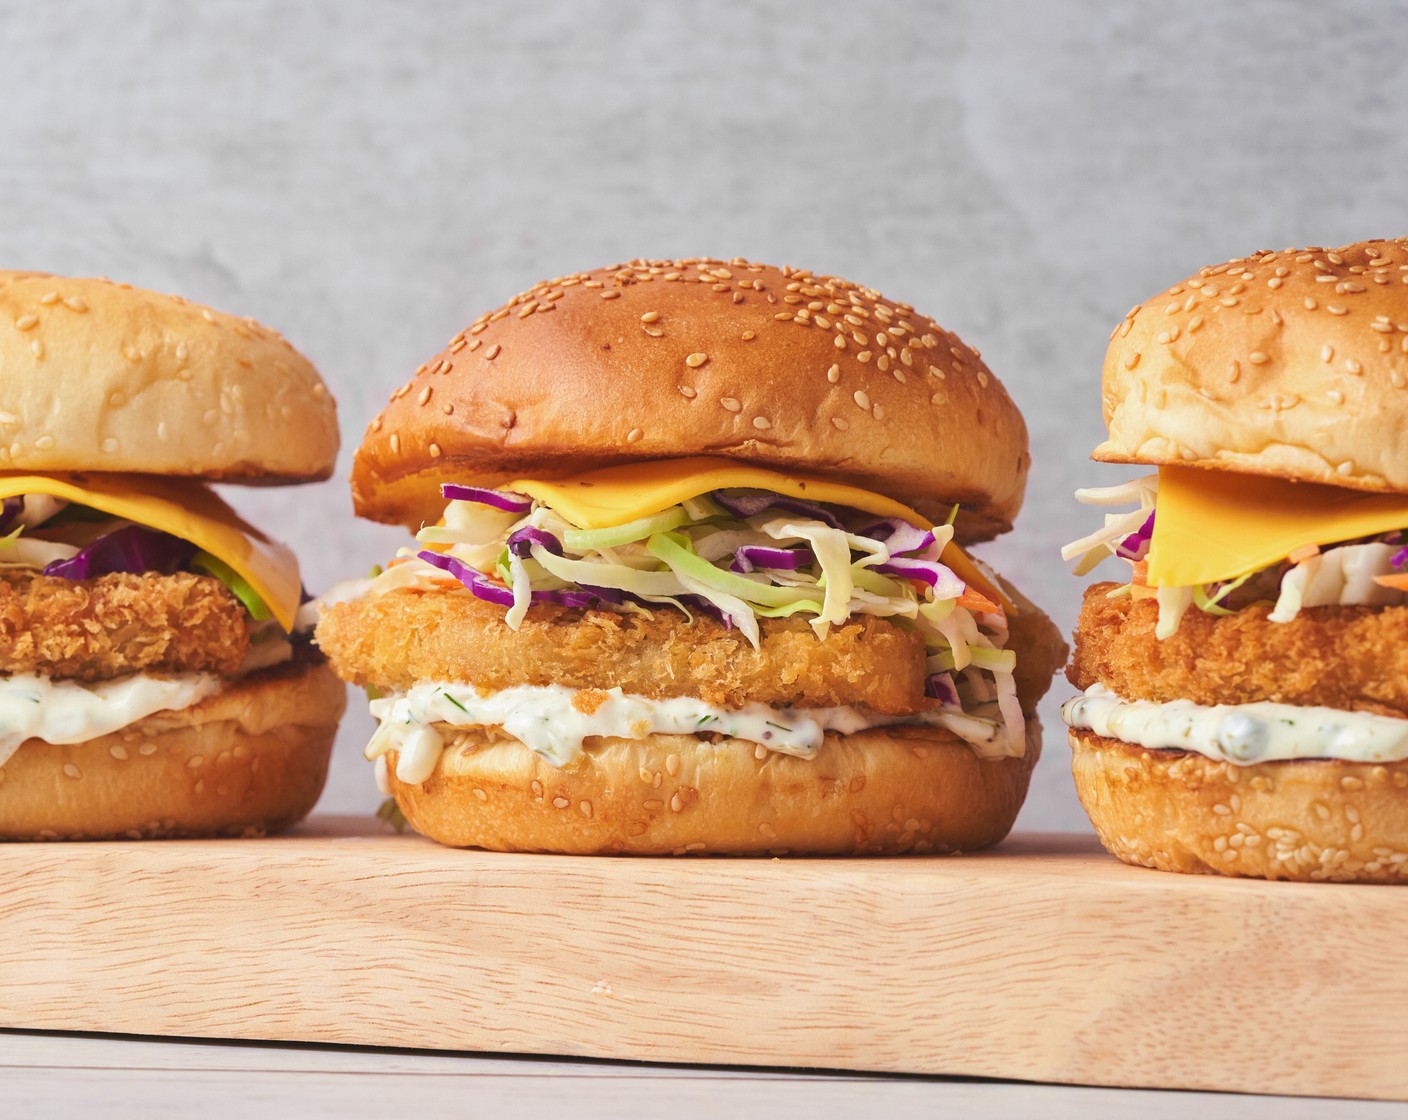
(1041, 960)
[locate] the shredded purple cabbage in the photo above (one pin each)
(11, 509)
(133, 548)
(940, 687)
(752, 503)
(940, 577)
(484, 588)
(475, 581)
(753, 556)
(1136, 545)
(1400, 558)
(899, 536)
(505, 500)
(521, 541)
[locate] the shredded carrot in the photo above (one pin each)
(1398, 581)
(1141, 573)
(1304, 552)
(976, 601)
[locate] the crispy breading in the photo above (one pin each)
(395, 640)
(1338, 657)
(97, 629)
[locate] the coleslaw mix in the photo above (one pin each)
(738, 556)
(1364, 571)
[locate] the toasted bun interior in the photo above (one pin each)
(101, 376)
(875, 792)
(1291, 364)
(779, 368)
(249, 760)
(1304, 820)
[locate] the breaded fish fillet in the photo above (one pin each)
(398, 639)
(97, 629)
(1336, 657)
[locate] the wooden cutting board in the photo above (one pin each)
(1041, 960)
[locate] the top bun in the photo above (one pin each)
(1292, 365)
(773, 367)
(99, 376)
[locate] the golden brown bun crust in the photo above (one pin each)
(1291, 364)
(665, 359)
(101, 376)
(1305, 820)
(872, 793)
(249, 760)
(1354, 658)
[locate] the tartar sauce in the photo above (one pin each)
(1241, 733)
(545, 719)
(62, 711)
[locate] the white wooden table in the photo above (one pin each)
(116, 1077)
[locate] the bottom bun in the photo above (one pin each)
(1309, 820)
(874, 792)
(249, 760)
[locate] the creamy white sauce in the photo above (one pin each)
(1241, 733)
(545, 719)
(35, 707)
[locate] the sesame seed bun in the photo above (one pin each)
(1305, 820)
(249, 760)
(873, 793)
(773, 367)
(1291, 364)
(101, 376)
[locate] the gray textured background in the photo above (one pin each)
(368, 177)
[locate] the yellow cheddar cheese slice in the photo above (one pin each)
(616, 495)
(1218, 525)
(186, 509)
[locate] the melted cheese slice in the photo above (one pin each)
(185, 509)
(1217, 525)
(616, 495)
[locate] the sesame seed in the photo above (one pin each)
(1235, 372)
(676, 803)
(586, 808)
(72, 771)
(25, 322)
(730, 403)
(447, 409)
(840, 342)
(424, 396)
(863, 356)
(1310, 303)
(1336, 309)
(434, 450)
(839, 423)
(1353, 366)
(899, 375)
(694, 361)
(833, 375)
(1336, 397)
(688, 392)
(1327, 353)
(862, 400)
(560, 803)
(634, 435)
(395, 443)
(614, 293)
(650, 317)
(761, 423)
(1257, 358)
(748, 336)
(783, 316)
